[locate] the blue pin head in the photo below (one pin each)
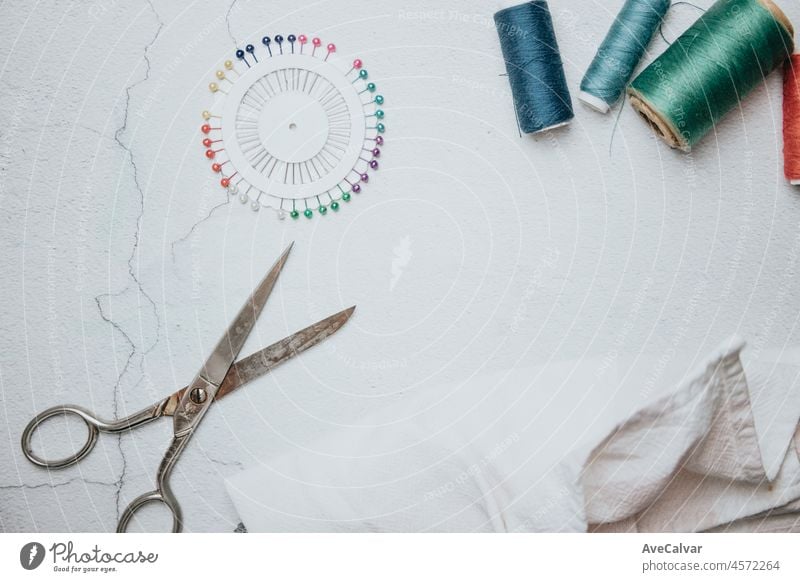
(291, 38)
(278, 38)
(266, 40)
(250, 48)
(239, 54)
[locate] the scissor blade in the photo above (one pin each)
(257, 364)
(261, 362)
(223, 356)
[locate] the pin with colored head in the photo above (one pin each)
(241, 55)
(357, 64)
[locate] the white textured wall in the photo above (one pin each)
(122, 262)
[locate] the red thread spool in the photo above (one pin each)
(791, 120)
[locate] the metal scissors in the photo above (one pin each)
(219, 376)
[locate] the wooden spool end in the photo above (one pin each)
(660, 125)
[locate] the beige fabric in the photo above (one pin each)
(563, 447)
(692, 462)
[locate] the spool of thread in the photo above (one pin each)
(710, 68)
(791, 120)
(620, 52)
(533, 63)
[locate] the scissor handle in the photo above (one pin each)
(157, 496)
(162, 493)
(93, 424)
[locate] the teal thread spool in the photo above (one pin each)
(620, 53)
(710, 68)
(533, 63)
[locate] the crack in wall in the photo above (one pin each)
(228, 21)
(96, 132)
(220, 462)
(132, 345)
(194, 227)
(118, 138)
(56, 485)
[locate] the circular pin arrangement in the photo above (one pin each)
(292, 128)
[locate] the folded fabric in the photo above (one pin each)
(594, 445)
(690, 461)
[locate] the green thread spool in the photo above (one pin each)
(710, 68)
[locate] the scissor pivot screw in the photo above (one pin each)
(198, 395)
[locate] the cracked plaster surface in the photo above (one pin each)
(123, 260)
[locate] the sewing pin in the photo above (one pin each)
(240, 54)
(252, 50)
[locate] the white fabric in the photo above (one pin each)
(608, 444)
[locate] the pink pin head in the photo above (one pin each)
(357, 64)
(303, 39)
(316, 41)
(331, 48)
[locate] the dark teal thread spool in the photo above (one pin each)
(620, 53)
(533, 63)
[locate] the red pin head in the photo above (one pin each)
(216, 167)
